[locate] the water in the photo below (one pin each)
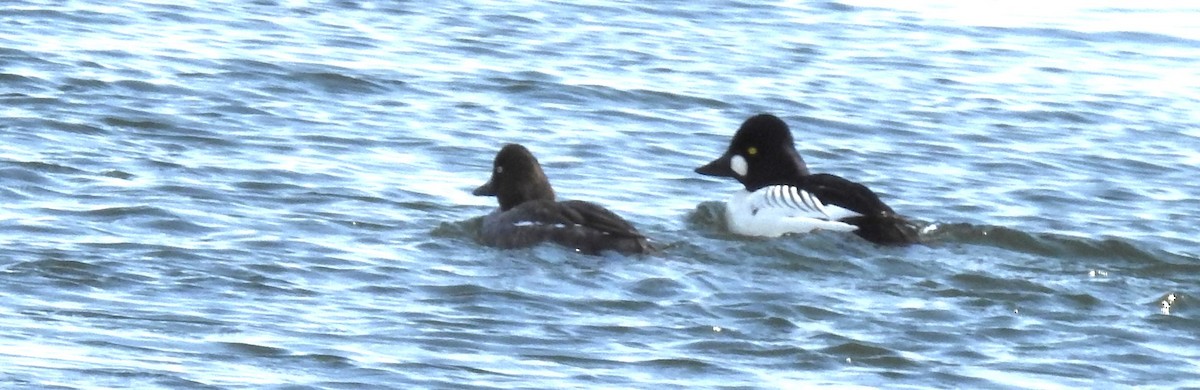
(277, 194)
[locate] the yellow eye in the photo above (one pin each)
(752, 151)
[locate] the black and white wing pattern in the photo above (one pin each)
(786, 200)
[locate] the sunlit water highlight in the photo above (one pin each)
(277, 194)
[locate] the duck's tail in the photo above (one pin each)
(885, 229)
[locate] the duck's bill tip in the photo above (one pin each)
(485, 190)
(719, 167)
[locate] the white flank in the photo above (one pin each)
(777, 210)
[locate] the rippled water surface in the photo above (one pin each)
(277, 194)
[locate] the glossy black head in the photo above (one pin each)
(762, 153)
(516, 178)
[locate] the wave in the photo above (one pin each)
(708, 218)
(1102, 36)
(1048, 244)
(706, 223)
(540, 87)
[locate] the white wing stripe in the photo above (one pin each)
(786, 199)
(798, 198)
(804, 197)
(789, 197)
(772, 198)
(782, 198)
(816, 203)
(771, 195)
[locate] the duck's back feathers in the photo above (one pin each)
(835, 190)
(776, 210)
(596, 217)
(889, 229)
(877, 222)
(584, 226)
(791, 201)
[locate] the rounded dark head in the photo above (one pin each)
(516, 178)
(762, 152)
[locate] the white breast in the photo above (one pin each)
(776, 210)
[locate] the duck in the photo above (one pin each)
(530, 215)
(781, 196)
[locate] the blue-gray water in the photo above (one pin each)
(277, 194)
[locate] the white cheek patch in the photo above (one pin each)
(739, 166)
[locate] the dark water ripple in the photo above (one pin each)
(277, 194)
